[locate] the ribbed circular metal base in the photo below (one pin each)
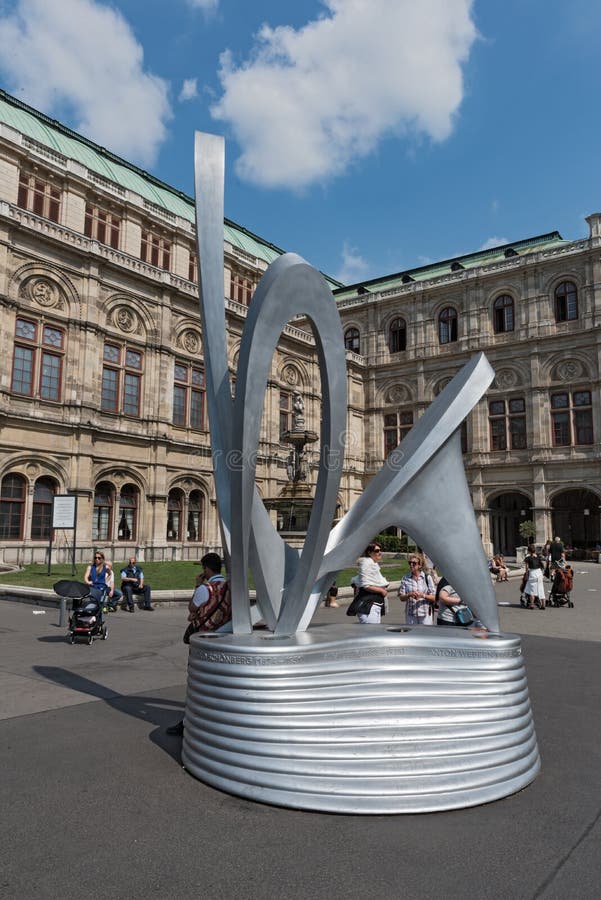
(361, 719)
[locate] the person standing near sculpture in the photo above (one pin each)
(330, 600)
(210, 608)
(370, 581)
(132, 582)
(418, 592)
(557, 554)
(533, 574)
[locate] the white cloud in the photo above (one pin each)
(205, 5)
(494, 242)
(310, 102)
(82, 55)
(354, 267)
(189, 90)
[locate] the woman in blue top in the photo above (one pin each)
(96, 577)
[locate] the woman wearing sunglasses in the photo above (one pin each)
(371, 586)
(418, 592)
(95, 577)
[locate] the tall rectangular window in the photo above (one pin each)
(517, 423)
(507, 423)
(241, 288)
(39, 196)
(37, 360)
(192, 268)
(285, 412)
(572, 418)
(102, 225)
(188, 396)
(121, 380)
(155, 249)
(396, 427)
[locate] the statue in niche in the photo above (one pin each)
(298, 412)
(296, 465)
(291, 466)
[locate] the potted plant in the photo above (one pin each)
(527, 531)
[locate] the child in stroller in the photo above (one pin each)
(86, 620)
(563, 582)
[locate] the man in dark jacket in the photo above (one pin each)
(132, 582)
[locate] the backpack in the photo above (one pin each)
(214, 613)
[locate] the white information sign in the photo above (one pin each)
(63, 511)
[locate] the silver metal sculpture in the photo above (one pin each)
(344, 718)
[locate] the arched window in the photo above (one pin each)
(41, 519)
(194, 529)
(566, 302)
(128, 513)
(352, 340)
(174, 515)
(503, 314)
(447, 325)
(102, 524)
(12, 506)
(397, 335)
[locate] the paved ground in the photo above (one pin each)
(95, 802)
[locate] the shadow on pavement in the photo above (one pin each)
(148, 709)
(53, 639)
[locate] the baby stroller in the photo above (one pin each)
(563, 582)
(86, 620)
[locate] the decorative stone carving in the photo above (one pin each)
(505, 379)
(125, 319)
(42, 292)
(568, 370)
(190, 341)
(398, 393)
(32, 469)
(290, 375)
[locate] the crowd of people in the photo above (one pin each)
(430, 599)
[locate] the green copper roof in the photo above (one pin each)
(58, 138)
(456, 264)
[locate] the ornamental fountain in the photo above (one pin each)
(294, 503)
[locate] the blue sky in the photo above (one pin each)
(369, 136)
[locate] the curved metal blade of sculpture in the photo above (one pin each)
(421, 488)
